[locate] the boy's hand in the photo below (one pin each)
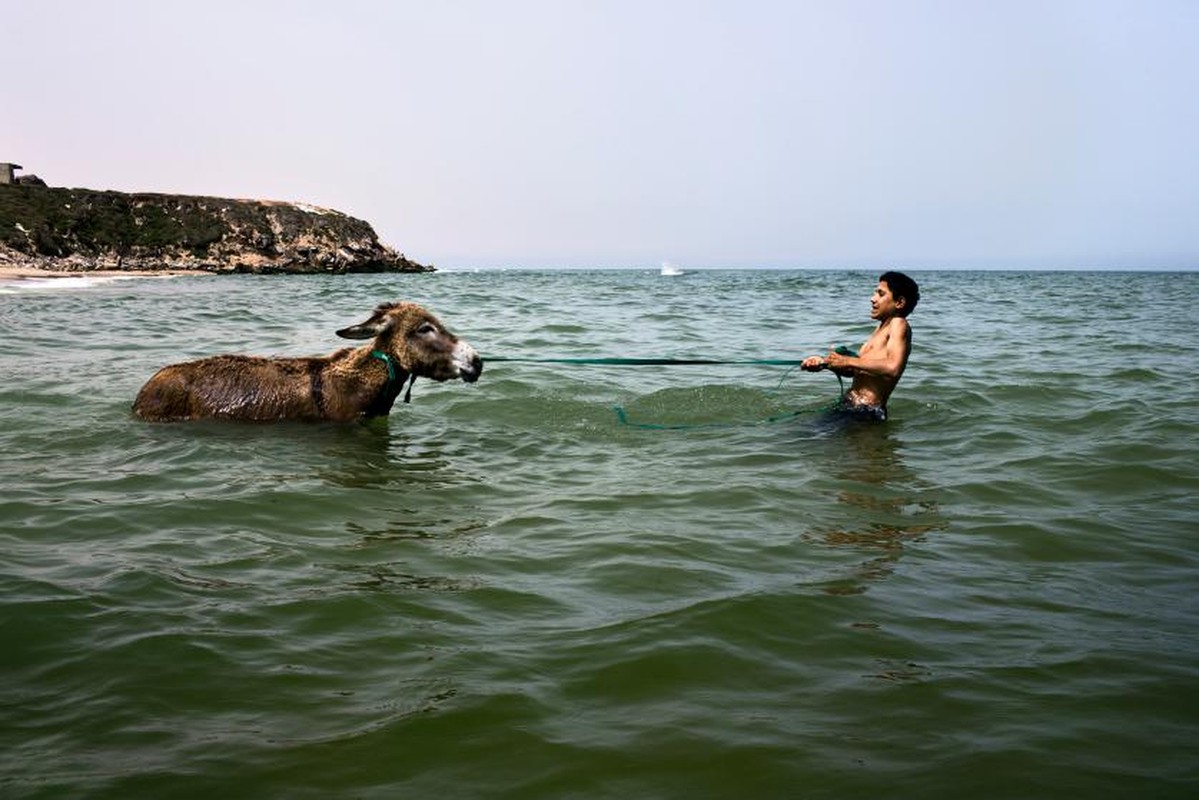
(813, 364)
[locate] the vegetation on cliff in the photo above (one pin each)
(86, 229)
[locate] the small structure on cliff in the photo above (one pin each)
(8, 176)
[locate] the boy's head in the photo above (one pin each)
(902, 288)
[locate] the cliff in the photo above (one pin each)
(85, 229)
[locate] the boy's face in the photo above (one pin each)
(883, 304)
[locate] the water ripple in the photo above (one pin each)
(501, 590)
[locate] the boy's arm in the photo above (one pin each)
(817, 363)
(886, 360)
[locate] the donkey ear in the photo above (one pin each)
(364, 331)
(378, 322)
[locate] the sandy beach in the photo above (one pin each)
(11, 273)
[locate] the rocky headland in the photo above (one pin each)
(87, 230)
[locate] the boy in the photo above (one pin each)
(880, 363)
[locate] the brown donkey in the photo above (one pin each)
(352, 383)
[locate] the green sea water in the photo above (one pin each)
(503, 591)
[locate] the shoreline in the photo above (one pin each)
(10, 273)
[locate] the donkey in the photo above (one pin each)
(350, 384)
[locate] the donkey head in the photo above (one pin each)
(418, 342)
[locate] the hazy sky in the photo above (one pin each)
(745, 133)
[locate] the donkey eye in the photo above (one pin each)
(426, 329)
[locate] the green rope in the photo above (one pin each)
(386, 359)
(623, 417)
(646, 362)
(662, 362)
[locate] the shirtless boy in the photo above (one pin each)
(881, 361)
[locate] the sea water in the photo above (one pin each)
(502, 590)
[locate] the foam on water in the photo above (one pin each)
(68, 283)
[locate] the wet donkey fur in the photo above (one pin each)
(352, 383)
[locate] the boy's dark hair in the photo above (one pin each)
(902, 286)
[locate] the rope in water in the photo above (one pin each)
(647, 362)
(623, 416)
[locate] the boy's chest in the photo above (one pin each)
(877, 340)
